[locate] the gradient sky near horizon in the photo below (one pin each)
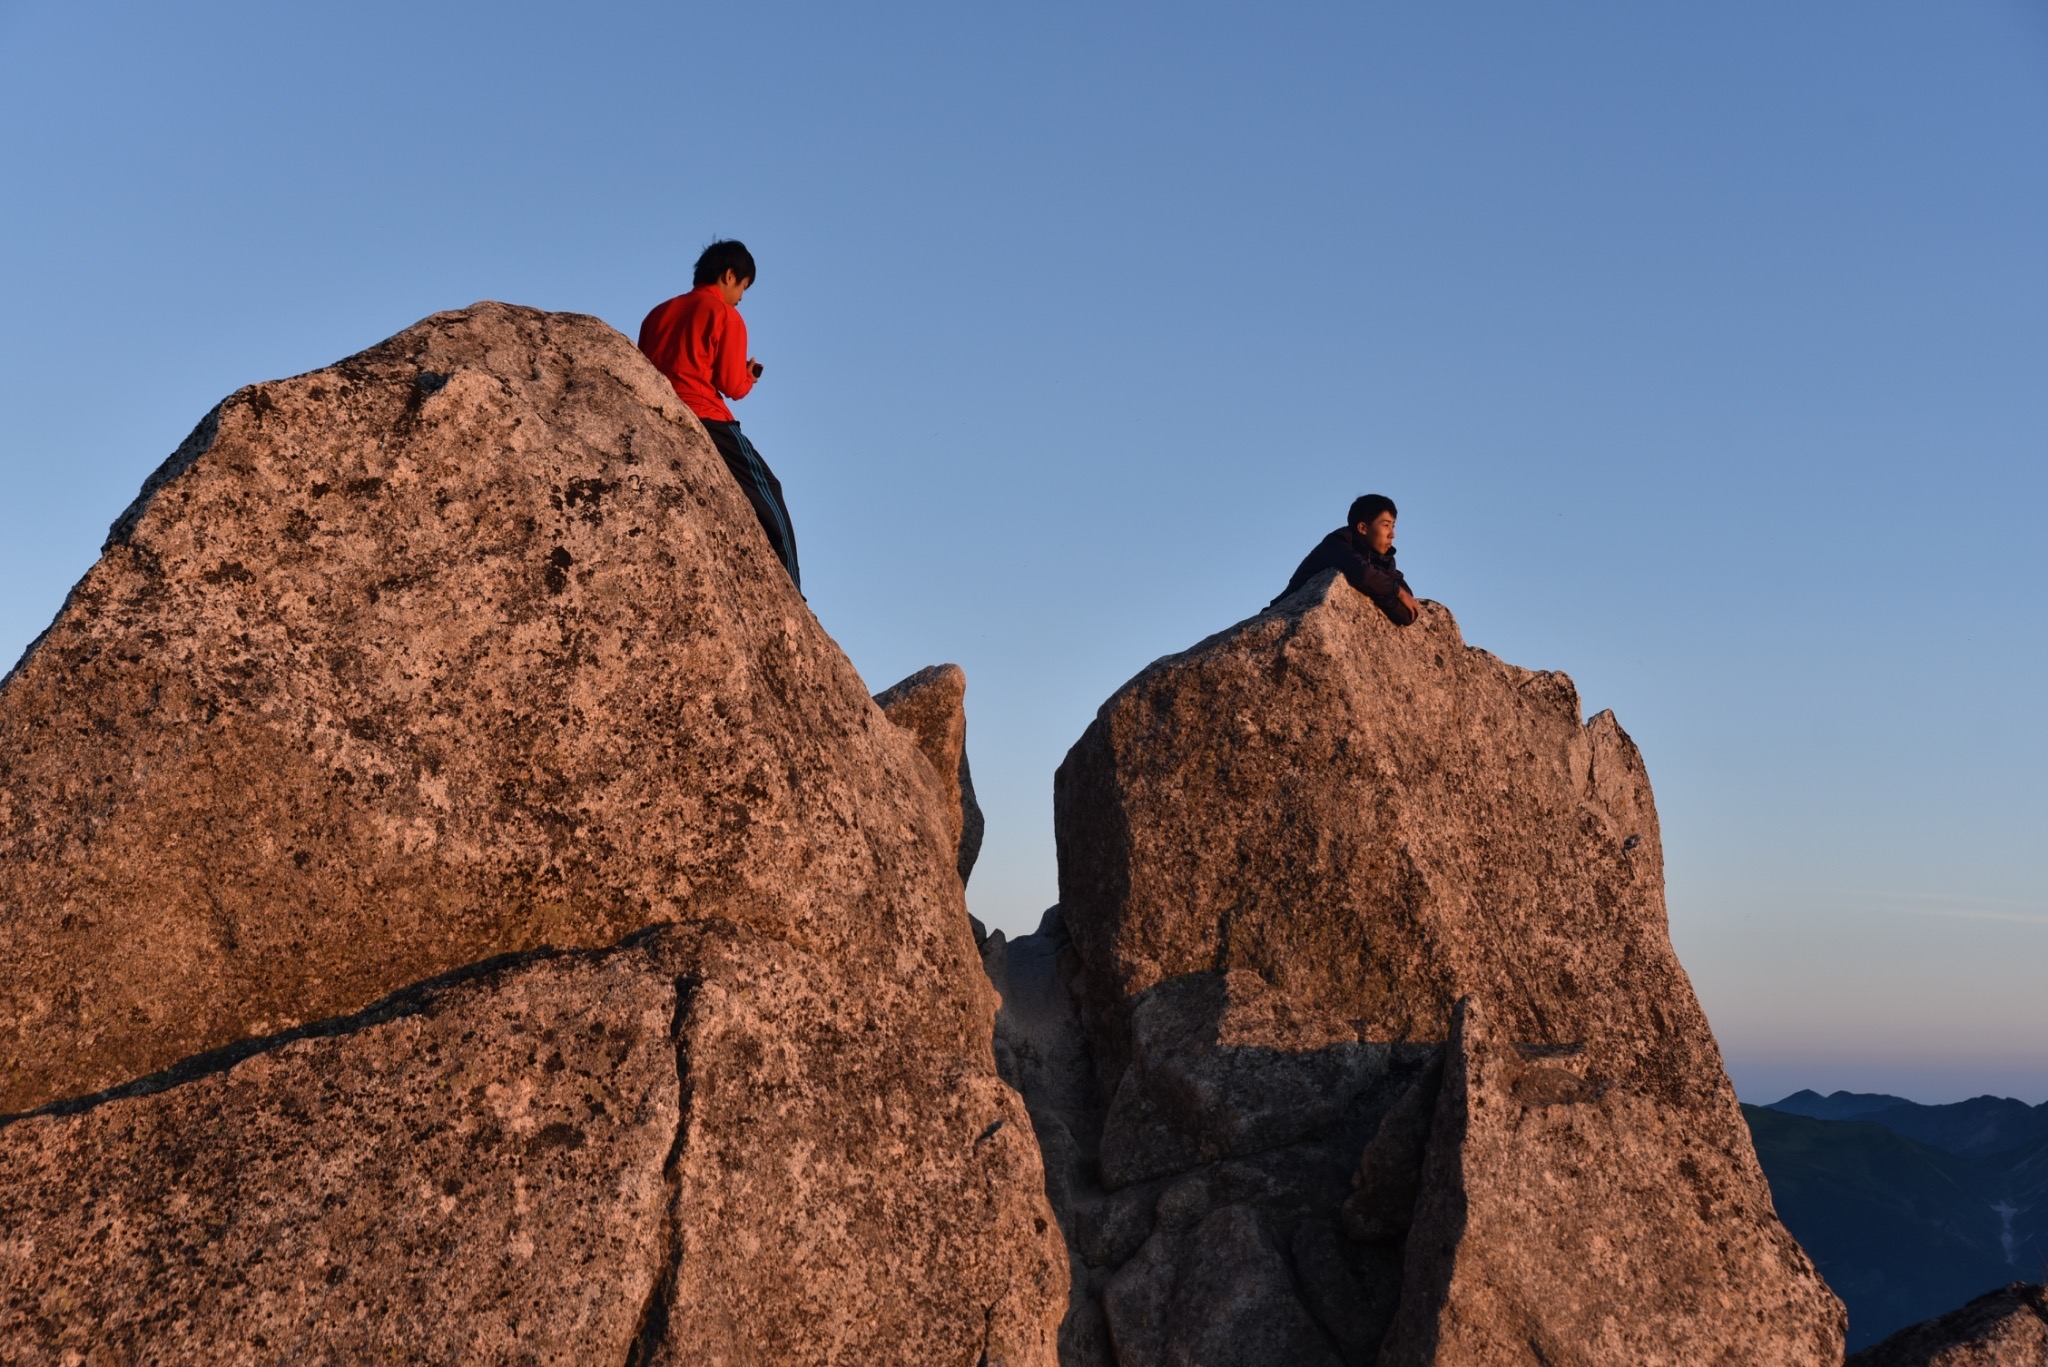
(1705, 349)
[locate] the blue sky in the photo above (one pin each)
(1705, 348)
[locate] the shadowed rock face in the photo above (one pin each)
(2007, 1328)
(464, 647)
(1564, 1217)
(1287, 856)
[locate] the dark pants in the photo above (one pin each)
(762, 489)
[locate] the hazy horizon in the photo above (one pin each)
(1702, 350)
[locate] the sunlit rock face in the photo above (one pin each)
(1361, 971)
(462, 648)
(932, 705)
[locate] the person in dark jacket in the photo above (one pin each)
(1364, 551)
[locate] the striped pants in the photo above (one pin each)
(762, 489)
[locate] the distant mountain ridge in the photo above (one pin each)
(1907, 1209)
(1836, 1105)
(1981, 1125)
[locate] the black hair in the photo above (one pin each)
(1366, 507)
(724, 255)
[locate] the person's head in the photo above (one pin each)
(727, 264)
(1372, 517)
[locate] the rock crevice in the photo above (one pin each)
(652, 1330)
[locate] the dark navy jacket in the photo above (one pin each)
(1371, 573)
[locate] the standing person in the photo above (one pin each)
(699, 341)
(1363, 549)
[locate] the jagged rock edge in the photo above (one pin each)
(196, 444)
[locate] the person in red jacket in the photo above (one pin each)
(699, 341)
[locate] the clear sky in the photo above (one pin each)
(1705, 349)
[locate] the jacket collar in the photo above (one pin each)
(1361, 545)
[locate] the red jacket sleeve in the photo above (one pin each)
(729, 367)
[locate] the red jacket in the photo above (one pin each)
(700, 342)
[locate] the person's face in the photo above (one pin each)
(1379, 533)
(732, 287)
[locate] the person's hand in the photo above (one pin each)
(753, 367)
(1408, 601)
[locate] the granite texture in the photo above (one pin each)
(464, 645)
(468, 647)
(1361, 939)
(402, 1188)
(932, 705)
(699, 1146)
(1563, 1217)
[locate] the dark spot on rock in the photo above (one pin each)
(321, 490)
(554, 1063)
(365, 488)
(228, 572)
(560, 1135)
(557, 576)
(427, 382)
(451, 1186)
(589, 495)
(299, 525)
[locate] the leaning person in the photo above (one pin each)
(1363, 549)
(699, 341)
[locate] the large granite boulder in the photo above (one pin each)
(469, 647)
(1287, 856)
(2003, 1328)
